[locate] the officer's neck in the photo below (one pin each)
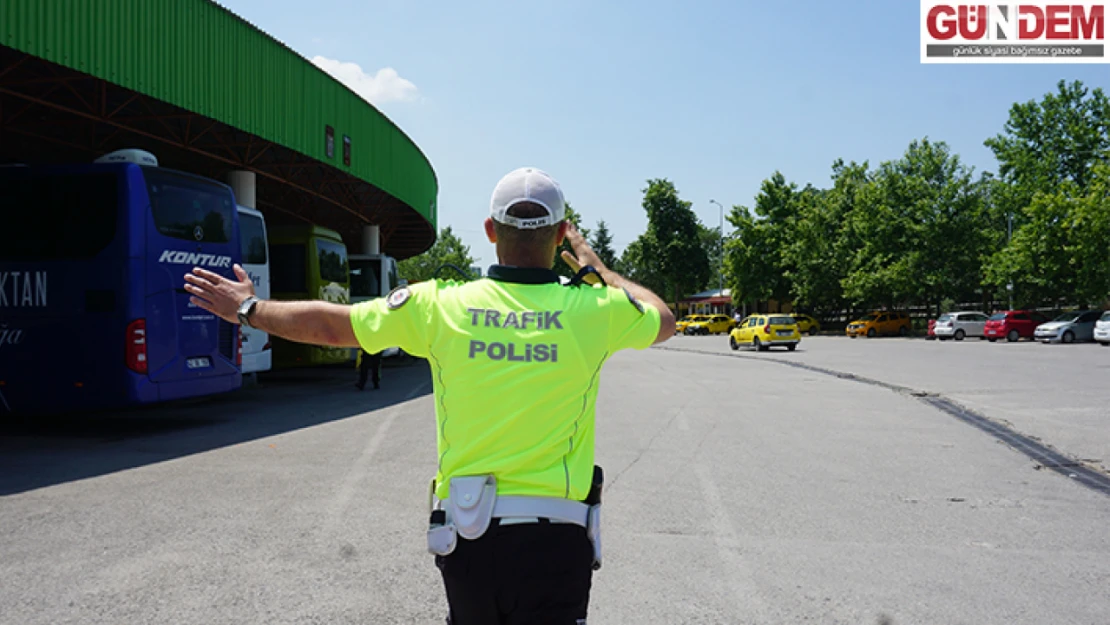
(526, 261)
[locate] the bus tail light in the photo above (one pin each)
(136, 346)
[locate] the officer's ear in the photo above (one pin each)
(562, 232)
(491, 232)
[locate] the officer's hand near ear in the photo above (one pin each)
(583, 255)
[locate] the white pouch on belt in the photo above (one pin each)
(470, 504)
(442, 539)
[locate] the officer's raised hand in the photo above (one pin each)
(583, 254)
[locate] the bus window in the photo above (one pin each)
(333, 261)
(365, 277)
(253, 239)
(57, 216)
(190, 209)
(287, 268)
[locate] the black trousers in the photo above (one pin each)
(520, 574)
(371, 363)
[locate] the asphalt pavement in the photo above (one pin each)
(740, 489)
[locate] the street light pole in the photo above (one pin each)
(720, 250)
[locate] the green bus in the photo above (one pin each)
(307, 262)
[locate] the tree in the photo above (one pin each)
(448, 248)
(602, 243)
(825, 239)
(638, 264)
(756, 264)
(672, 242)
(1047, 154)
(710, 241)
(1052, 141)
(923, 231)
(1058, 254)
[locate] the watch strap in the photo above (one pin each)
(245, 309)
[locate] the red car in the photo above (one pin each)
(1013, 325)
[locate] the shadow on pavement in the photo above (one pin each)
(36, 452)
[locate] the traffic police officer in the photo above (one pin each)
(515, 360)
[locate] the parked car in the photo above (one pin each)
(1069, 327)
(680, 325)
(765, 331)
(880, 323)
(957, 325)
(1013, 324)
(807, 324)
(1102, 329)
(711, 324)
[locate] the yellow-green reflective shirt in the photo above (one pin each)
(515, 361)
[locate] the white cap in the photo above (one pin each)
(527, 184)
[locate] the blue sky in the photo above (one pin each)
(714, 96)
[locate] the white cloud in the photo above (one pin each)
(384, 86)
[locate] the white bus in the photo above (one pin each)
(373, 276)
(257, 355)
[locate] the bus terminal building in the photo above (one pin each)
(141, 138)
(208, 93)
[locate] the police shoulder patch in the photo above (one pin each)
(635, 302)
(397, 297)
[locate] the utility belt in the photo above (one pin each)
(473, 503)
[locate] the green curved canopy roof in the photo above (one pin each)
(197, 55)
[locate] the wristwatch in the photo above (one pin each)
(245, 310)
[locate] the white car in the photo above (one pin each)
(1102, 329)
(1069, 327)
(957, 325)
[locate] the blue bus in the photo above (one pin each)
(93, 310)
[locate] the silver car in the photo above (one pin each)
(1102, 329)
(957, 325)
(1069, 327)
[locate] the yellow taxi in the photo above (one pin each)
(763, 332)
(807, 324)
(880, 323)
(680, 325)
(710, 324)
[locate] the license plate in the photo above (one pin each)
(785, 332)
(990, 331)
(198, 363)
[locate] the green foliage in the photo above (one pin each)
(755, 257)
(710, 240)
(922, 231)
(1052, 156)
(825, 239)
(637, 264)
(448, 248)
(672, 240)
(602, 243)
(1058, 255)
(1056, 140)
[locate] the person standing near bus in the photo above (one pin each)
(369, 364)
(515, 359)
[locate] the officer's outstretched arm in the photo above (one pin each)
(314, 322)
